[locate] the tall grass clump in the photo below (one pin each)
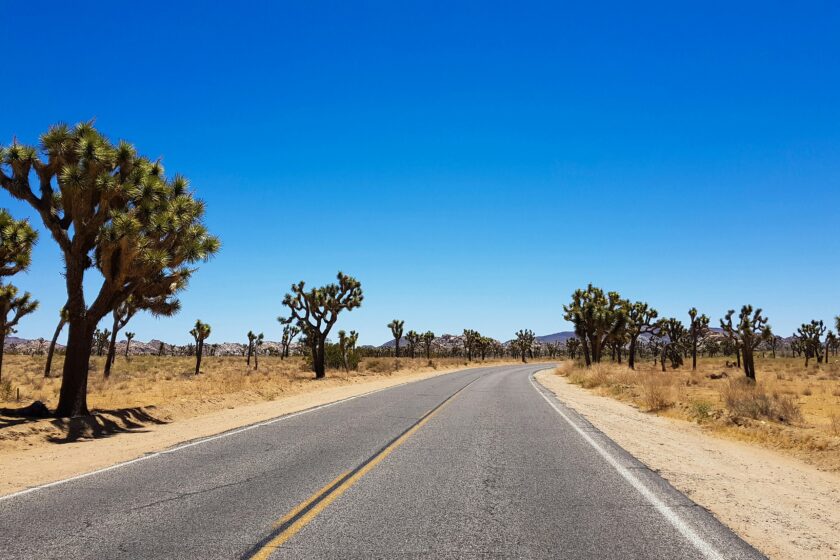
(751, 400)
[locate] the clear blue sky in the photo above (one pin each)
(471, 163)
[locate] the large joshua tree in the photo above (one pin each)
(13, 308)
(597, 318)
(200, 332)
(809, 336)
(316, 312)
(110, 208)
(698, 330)
(159, 305)
(750, 331)
(524, 342)
(641, 320)
(396, 327)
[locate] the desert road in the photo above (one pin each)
(480, 463)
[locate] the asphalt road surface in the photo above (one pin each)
(480, 463)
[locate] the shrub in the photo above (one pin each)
(750, 400)
(656, 392)
(700, 410)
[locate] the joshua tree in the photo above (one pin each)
(347, 345)
(773, 343)
(524, 342)
(251, 338)
(396, 327)
(129, 336)
(428, 339)
(109, 208)
(258, 342)
(62, 319)
(698, 329)
(830, 342)
(809, 336)
(161, 348)
(199, 332)
(18, 307)
(161, 305)
(597, 317)
(101, 340)
(750, 331)
(641, 320)
(289, 334)
(470, 338)
(572, 347)
(413, 339)
(316, 312)
(676, 335)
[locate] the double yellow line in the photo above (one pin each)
(288, 525)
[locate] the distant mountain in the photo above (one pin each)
(561, 336)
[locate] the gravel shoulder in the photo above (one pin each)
(782, 506)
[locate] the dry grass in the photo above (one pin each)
(790, 407)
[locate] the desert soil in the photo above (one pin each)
(782, 506)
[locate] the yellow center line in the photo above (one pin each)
(329, 493)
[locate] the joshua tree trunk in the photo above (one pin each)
(72, 400)
(694, 354)
(112, 349)
(586, 356)
(749, 364)
(127, 347)
(397, 342)
(738, 356)
(319, 357)
(51, 350)
(199, 350)
(256, 359)
(631, 354)
(2, 344)
(250, 347)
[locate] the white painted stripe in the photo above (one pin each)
(207, 439)
(706, 549)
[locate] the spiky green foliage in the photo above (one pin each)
(596, 317)
(809, 336)
(524, 342)
(750, 331)
(396, 327)
(347, 347)
(641, 320)
(16, 240)
(316, 311)
(200, 332)
(13, 307)
(108, 207)
(428, 339)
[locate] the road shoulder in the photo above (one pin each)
(783, 507)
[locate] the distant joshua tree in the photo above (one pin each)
(161, 348)
(258, 342)
(524, 342)
(347, 345)
(129, 336)
(18, 307)
(676, 335)
(289, 334)
(428, 339)
(572, 347)
(413, 339)
(641, 320)
(470, 339)
(101, 340)
(316, 312)
(809, 336)
(199, 332)
(830, 343)
(396, 327)
(750, 331)
(251, 338)
(62, 320)
(698, 330)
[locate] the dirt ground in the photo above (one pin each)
(781, 505)
(148, 408)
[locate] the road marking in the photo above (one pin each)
(291, 523)
(702, 546)
(213, 438)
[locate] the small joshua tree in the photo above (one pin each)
(428, 339)
(258, 342)
(698, 330)
(251, 338)
(316, 312)
(396, 327)
(289, 334)
(641, 320)
(12, 308)
(347, 345)
(750, 331)
(830, 342)
(809, 336)
(62, 320)
(129, 336)
(413, 339)
(572, 347)
(524, 342)
(199, 332)
(470, 338)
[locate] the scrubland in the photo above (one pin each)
(790, 408)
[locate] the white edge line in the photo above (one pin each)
(706, 549)
(179, 447)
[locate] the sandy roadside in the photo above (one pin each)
(784, 507)
(48, 462)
